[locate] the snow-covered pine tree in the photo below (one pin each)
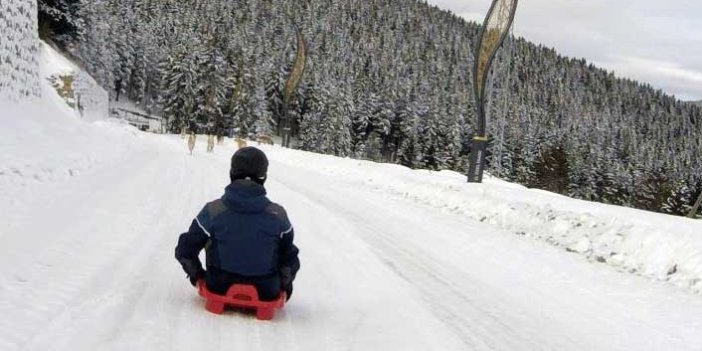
(274, 96)
(179, 90)
(211, 83)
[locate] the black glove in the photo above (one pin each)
(288, 291)
(286, 281)
(193, 270)
(285, 276)
(194, 278)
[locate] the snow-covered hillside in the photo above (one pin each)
(391, 258)
(44, 141)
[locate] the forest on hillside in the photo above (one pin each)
(390, 81)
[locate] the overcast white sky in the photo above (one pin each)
(654, 41)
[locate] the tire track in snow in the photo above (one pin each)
(64, 245)
(473, 323)
(109, 265)
(146, 297)
(114, 283)
(517, 294)
(343, 222)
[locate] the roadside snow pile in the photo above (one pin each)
(45, 141)
(658, 246)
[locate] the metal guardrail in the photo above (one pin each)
(156, 118)
(138, 119)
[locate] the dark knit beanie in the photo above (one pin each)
(249, 162)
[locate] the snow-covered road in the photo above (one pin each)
(87, 263)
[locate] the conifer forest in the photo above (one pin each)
(390, 81)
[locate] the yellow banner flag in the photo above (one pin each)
(297, 71)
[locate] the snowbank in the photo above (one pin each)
(45, 141)
(663, 247)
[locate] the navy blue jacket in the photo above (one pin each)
(244, 234)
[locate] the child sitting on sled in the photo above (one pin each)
(247, 238)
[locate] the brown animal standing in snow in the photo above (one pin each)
(240, 143)
(191, 142)
(220, 139)
(210, 143)
(264, 139)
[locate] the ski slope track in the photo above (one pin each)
(88, 265)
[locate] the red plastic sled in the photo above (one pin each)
(242, 296)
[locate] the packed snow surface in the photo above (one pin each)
(391, 258)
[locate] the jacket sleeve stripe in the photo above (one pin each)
(286, 232)
(202, 227)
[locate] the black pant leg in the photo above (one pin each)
(218, 282)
